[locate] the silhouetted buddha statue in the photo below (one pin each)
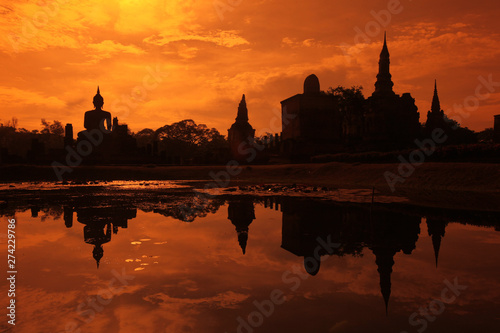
(94, 118)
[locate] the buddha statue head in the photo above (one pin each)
(98, 100)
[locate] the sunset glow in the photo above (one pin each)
(162, 61)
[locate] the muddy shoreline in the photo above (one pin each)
(465, 186)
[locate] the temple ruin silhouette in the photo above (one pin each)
(104, 139)
(311, 121)
(315, 122)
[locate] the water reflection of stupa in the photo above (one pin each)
(391, 232)
(100, 223)
(435, 229)
(241, 213)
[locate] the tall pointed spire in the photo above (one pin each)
(98, 92)
(242, 116)
(436, 229)
(384, 83)
(242, 240)
(384, 258)
(385, 50)
(436, 106)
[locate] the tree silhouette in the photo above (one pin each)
(187, 131)
(12, 123)
(348, 97)
(145, 137)
(186, 140)
(54, 128)
(486, 135)
(189, 140)
(351, 104)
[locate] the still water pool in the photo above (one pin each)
(129, 262)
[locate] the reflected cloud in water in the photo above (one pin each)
(202, 271)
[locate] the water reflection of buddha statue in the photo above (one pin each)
(94, 234)
(100, 223)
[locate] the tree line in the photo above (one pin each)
(184, 138)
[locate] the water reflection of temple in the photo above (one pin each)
(353, 228)
(104, 215)
(100, 223)
(391, 232)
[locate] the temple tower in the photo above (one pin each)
(241, 135)
(390, 121)
(435, 117)
(384, 82)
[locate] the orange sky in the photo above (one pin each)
(207, 53)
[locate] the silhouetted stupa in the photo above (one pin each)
(390, 121)
(241, 134)
(384, 82)
(435, 117)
